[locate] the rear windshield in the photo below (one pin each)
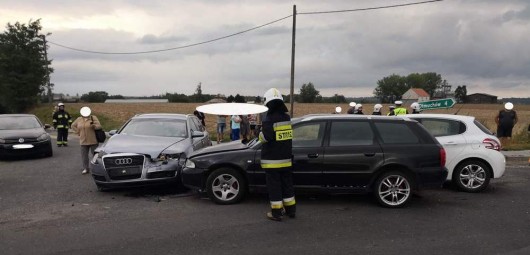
(483, 128)
(20, 122)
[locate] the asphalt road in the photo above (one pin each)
(48, 207)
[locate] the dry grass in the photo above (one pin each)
(116, 114)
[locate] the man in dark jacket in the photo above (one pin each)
(276, 156)
(62, 121)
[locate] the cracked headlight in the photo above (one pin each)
(189, 164)
(167, 156)
(97, 155)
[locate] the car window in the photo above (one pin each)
(396, 133)
(346, 133)
(442, 127)
(309, 134)
(195, 124)
(19, 122)
(156, 127)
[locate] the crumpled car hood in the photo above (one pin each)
(231, 146)
(151, 145)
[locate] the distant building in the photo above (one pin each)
(136, 101)
(481, 98)
(216, 100)
(60, 97)
(415, 95)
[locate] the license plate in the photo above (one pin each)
(22, 146)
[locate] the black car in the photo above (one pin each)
(389, 156)
(148, 149)
(23, 135)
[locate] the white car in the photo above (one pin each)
(473, 154)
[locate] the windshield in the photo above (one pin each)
(19, 122)
(156, 127)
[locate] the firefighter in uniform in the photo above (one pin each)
(276, 156)
(399, 109)
(415, 108)
(62, 122)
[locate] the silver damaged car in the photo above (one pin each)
(148, 149)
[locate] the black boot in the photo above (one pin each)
(275, 214)
(290, 211)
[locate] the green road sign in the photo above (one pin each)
(437, 104)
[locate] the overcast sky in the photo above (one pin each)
(483, 44)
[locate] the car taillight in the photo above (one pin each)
(491, 144)
(442, 157)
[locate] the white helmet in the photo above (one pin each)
(352, 104)
(338, 109)
(60, 104)
(357, 106)
(398, 102)
(377, 107)
(415, 106)
(508, 106)
(272, 94)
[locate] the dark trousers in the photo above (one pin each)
(62, 136)
(279, 183)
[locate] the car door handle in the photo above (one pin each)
(315, 155)
(450, 143)
(369, 154)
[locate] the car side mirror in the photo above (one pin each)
(112, 132)
(195, 134)
(47, 126)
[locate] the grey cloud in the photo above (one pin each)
(153, 39)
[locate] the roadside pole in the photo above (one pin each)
(292, 61)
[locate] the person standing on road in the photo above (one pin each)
(276, 156)
(358, 109)
(351, 110)
(221, 125)
(253, 122)
(399, 109)
(235, 121)
(415, 108)
(244, 128)
(85, 126)
(61, 122)
(505, 120)
(377, 109)
(391, 109)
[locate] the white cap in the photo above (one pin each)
(352, 104)
(398, 102)
(508, 106)
(85, 111)
(338, 109)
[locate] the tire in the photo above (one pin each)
(393, 189)
(226, 186)
(471, 176)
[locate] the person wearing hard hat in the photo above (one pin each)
(276, 156)
(400, 110)
(358, 109)
(415, 108)
(391, 109)
(377, 109)
(351, 110)
(61, 122)
(505, 120)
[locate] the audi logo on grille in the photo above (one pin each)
(123, 161)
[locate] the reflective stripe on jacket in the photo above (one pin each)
(277, 138)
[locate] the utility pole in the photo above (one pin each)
(48, 85)
(292, 61)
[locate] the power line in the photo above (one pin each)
(370, 8)
(169, 49)
(241, 32)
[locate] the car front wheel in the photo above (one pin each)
(471, 176)
(226, 186)
(393, 189)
